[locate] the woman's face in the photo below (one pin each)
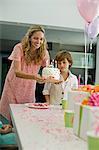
(63, 65)
(37, 39)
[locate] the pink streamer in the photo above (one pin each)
(94, 99)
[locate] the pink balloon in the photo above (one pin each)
(88, 9)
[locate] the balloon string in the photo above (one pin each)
(86, 68)
(91, 41)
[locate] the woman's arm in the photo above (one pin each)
(20, 74)
(38, 78)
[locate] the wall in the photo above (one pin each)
(97, 62)
(0, 73)
(14, 31)
(59, 46)
(62, 13)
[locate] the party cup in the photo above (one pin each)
(68, 118)
(93, 141)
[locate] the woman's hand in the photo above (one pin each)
(40, 79)
(50, 79)
(6, 129)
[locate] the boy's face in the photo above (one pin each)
(63, 65)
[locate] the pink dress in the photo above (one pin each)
(17, 90)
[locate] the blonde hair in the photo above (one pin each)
(62, 55)
(37, 55)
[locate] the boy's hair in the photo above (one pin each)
(62, 55)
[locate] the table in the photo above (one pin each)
(43, 129)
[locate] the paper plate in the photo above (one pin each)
(37, 105)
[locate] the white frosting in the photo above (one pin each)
(54, 72)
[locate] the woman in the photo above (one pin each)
(54, 93)
(27, 57)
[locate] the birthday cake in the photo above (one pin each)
(48, 71)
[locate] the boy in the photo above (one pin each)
(54, 93)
